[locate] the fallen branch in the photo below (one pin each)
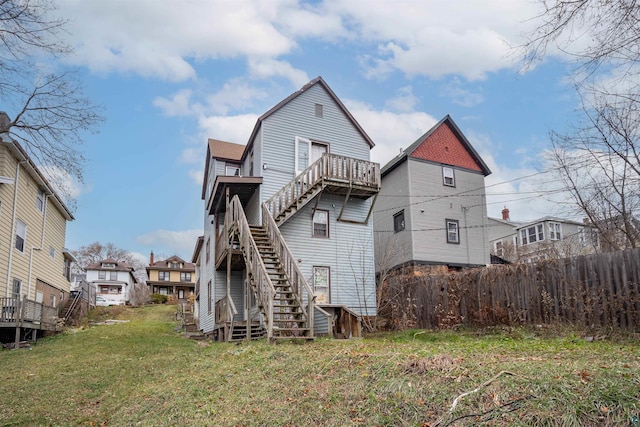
(475, 390)
(480, 387)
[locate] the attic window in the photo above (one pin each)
(319, 112)
(108, 265)
(232, 169)
(175, 265)
(448, 177)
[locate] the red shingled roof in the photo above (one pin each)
(443, 146)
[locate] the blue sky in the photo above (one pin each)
(171, 74)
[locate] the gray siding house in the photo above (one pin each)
(431, 209)
(288, 245)
(544, 238)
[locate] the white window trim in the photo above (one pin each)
(40, 198)
(457, 223)
(24, 238)
(553, 233)
(298, 140)
(444, 176)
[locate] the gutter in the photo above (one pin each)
(33, 248)
(13, 225)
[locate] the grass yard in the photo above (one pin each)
(144, 373)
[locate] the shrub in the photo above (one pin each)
(158, 299)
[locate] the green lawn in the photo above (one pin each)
(144, 373)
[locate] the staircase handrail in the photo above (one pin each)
(290, 266)
(265, 290)
(73, 305)
(328, 167)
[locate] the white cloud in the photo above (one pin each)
(235, 95)
(63, 183)
(177, 105)
(228, 128)
(156, 39)
(405, 101)
(454, 90)
(197, 175)
(389, 131)
(266, 68)
(171, 242)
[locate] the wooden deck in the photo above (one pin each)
(24, 313)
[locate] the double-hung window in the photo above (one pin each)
(555, 231)
(163, 275)
(21, 235)
(321, 223)
(102, 275)
(448, 177)
(185, 277)
(398, 221)
(532, 234)
(453, 231)
(40, 200)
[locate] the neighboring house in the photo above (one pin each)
(34, 264)
(544, 238)
(618, 233)
(288, 245)
(112, 280)
(432, 207)
(197, 261)
(172, 277)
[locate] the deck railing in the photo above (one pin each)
(301, 289)
(17, 311)
(264, 288)
(328, 168)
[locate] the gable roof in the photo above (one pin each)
(119, 265)
(222, 150)
(16, 149)
(163, 263)
(225, 150)
(444, 143)
(317, 81)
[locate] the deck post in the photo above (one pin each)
(18, 318)
(247, 308)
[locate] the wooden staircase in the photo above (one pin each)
(290, 321)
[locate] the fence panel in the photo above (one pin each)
(591, 290)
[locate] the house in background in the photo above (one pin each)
(197, 262)
(34, 264)
(173, 277)
(288, 245)
(113, 280)
(432, 206)
(544, 238)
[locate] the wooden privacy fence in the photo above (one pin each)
(593, 290)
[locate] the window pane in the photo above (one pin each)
(321, 224)
(398, 222)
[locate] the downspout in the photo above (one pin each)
(33, 248)
(13, 224)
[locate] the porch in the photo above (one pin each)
(26, 316)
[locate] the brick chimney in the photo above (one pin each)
(505, 214)
(151, 258)
(4, 121)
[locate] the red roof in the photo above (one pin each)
(444, 146)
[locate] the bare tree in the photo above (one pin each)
(46, 103)
(598, 161)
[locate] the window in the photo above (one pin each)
(581, 234)
(102, 275)
(104, 289)
(321, 279)
(185, 277)
(319, 110)
(398, 221)
(163, 275)
(175, 265)
(40, 200)
(52, 252)
(208, 247)
(453, 231)
(232, 169)
(164, 291)
(21, 235)
(17, 287)
(113, 275)
(52, 300)
(321, 223)
(448, 177)
(532, 234)
(209, 296)
(555, 232)
(499, 248)
(108, 265)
